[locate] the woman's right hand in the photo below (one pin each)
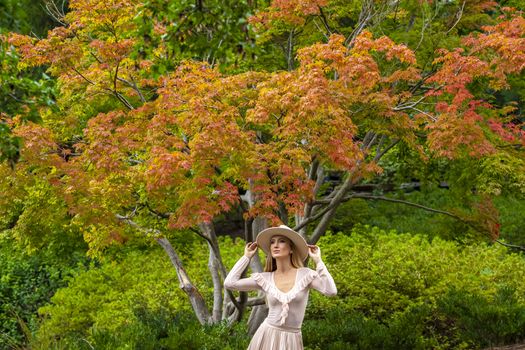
(250, 249)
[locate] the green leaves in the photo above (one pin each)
(382, 273)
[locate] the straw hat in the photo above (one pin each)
(264, 237)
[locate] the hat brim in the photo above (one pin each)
(264, 237)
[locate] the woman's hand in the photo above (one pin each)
(314, 252)
(250, 249)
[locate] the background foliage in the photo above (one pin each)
(394, 290)
(407, 278)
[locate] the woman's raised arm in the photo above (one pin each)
(234, 281)
(324, 282)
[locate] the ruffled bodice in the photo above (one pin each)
(285, 309)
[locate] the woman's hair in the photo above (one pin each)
(271, 265)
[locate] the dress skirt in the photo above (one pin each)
(270, 337)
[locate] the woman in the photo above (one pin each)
(286, 284)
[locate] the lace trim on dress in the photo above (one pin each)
(284, 298)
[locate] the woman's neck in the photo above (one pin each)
(283, 265)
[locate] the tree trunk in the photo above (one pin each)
(196, 299)
(208, 232)
(259, 312)
(217, 286)
(257, 316)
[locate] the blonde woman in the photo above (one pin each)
(286, 283)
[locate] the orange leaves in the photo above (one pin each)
(495, 54)
(200, 136)
(365, 43)
(456, 73)
(356, 67)
(202, 204)
(503, 47)
(454, 135)
(460, 132)
(166, 169)
(56, 50)
(319, 109)
(464, 123)
(111, 17)
(39, 146)
(102, 142)
(111, 52)
(92, 51)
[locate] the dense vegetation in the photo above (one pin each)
(395, 291)
(140, 139)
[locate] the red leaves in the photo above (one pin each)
(464, 122)
(456, 72)
(39, 146)
(208, 135)
(454, 136)
(509, 132)
(111, 52)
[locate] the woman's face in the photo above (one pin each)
(280, 246)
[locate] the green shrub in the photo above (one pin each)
(104, 298)
(397, 289)
(26, 283)
(121, 299)
(159, 330)
(485, 321)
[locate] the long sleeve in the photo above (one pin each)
(324, 282)
(234, 282)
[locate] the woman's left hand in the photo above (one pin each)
(314, 252)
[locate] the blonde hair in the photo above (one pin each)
(271, 265)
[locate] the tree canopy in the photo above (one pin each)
(166, 118)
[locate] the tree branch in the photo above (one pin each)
(470, 223)
(336, 200)
(382, 198)
(56, 13)
(289, 50)
(325, 22)
(379, 154)
(113, 92)
(365, 16)
(196, 299)
(459, 15)
(408, 105)
(134, 86)
(510, 245)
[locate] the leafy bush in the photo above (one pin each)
(396, 291)
(403, 291)
(119, 301)
(485, 321)
(159, 330)
(26, 283)
(104, 298)
(458, 320)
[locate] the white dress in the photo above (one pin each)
(281, 330)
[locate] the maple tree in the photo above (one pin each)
(143, 145)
